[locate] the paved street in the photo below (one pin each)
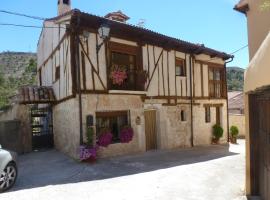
(201, 173)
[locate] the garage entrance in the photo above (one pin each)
(260, 144)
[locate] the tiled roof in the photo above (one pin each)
(130, 29)
(236, 100)
(35, 94)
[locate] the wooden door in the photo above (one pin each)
(264, 148)
(150, 129)
(218, 115)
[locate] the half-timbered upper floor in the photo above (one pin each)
(72, 57)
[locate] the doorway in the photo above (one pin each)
(150, 129)
(42, 128)
(259, 116)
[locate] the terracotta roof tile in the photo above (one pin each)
(35, 94)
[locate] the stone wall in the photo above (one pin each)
(19, 114)
(66, 127)
(98, 103)
(239, 121)
(203, 130)
(172, 132)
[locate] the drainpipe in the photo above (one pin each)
(228, 132)
(77, 57)
(191, 99)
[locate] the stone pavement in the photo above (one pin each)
(200, 173)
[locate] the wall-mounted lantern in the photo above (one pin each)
(104, 33)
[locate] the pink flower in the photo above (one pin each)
(105, 139)
(126, 135)
(118, 76)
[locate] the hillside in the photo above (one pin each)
(16, 69)
(235, 78)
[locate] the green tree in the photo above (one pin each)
(2, 79)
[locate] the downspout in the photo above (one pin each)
(191, 100)
(77, 39)
(228, 128)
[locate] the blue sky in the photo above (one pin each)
(211, 22)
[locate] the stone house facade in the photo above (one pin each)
(174, 92)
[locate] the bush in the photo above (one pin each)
(217, 131)
(234, 131)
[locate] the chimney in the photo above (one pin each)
(64, 6)
(117, 16)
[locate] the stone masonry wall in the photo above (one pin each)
(239, 121)
(98, 103)
(203, 130)
(66, 127)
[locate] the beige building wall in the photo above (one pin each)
(258, 25)
(256, 77)
(239, 121)
(66, 127)
(202, 130)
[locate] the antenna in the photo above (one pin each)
(141, 23)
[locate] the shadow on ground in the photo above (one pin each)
(53, 168)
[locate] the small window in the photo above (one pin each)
(114, 121)
(57, 73)
(180, 67)
(183, 116)
(207, 114)
(66, 2)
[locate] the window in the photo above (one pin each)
(126, 61)
(66, 2)
(180, 67)
(207, 114)
(216, 86)
(183, 116)
(113, 121)
(57, 73)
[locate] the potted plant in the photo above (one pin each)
(217, 133)
(88, 151)
(234, 133)
(126, 134)
(105, 138)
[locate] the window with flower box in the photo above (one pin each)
(125, 71)
(216, 82)
(112, 121)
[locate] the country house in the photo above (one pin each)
(105, 73)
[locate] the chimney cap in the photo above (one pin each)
(117, 16)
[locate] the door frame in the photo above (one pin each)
(156, 130)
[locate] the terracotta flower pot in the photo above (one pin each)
(234, 140)
(215, 140)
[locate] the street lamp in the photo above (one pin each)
(104, 32)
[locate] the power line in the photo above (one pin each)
(239, 49)
(28, 26)
(22, 15)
